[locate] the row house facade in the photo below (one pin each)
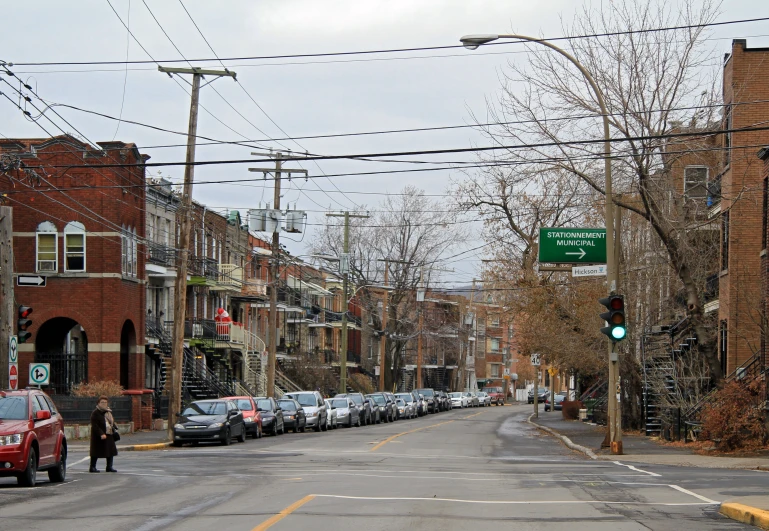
(79, 252)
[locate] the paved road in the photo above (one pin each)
(465, 469)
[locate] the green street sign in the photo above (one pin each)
(572, 246)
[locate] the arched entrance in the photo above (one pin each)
(127, 348)
(63, 343)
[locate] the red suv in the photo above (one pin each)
(31, 437)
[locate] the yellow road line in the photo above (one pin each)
(282, 514)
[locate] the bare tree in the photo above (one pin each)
(413, 232)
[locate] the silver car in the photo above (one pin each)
(314, 408)
(484, 398)
(331, 419)
(347, 413)
(405, 410)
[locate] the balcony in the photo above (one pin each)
(203, 272)
(230, 276)
(255, 287)
(161, 255)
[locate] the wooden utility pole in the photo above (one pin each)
(614, 407)
(7, 304)
(344, 268)
(383, 340)
(272, 347)
(180, 283)
(421, 325)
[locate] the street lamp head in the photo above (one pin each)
(472, 42)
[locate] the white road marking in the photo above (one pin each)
(631, 467)
(690, 493)
(511, 502)
(78, 462)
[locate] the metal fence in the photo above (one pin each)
(78, 409)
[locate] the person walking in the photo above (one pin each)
(102, 442)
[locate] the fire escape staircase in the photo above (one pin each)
(659, 377)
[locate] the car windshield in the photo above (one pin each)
(264, 405)
(244, 405)
(287, 405)
(205, 408)
(339, 403)
(455, 395)
(406, 398)
(429, 393)
(400, 402)
(357, 399)
(379, 399)
(306, 400)
(13, 408)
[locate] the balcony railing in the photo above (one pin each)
(230, 275)
(204, 267)
(255, 286)
(161, 255)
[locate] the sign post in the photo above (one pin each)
(39, 373)
(535, 364)
(572, 246)
(13, 363)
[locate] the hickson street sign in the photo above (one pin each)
(572, 246)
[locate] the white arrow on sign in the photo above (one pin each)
(581, 253)
(30, 281)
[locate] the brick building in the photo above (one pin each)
(746, 104)
(82, 229)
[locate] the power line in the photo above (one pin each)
(391, 50)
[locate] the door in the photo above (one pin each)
(44, 429)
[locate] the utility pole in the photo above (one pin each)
(7, 305)
(180, 283)
(461, 370)
(344, 268)
(614, 407)
(421, 325)
(272, 348)
(383, 340)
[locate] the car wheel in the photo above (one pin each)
(301, 430)
(28, 478)
(176, 444)
(242, 436)
(317, 428)
(358, 424)
(59, 472)
(227, 438)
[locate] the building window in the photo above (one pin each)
(722, 344)
(764, 213)
(129, 252)
(494, 345)
(47, 247)
(725, 241)
(695, 182)
(728, 122)
(495, 321)
(494, 370)
(74, 246)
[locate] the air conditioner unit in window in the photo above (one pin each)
(46, 265)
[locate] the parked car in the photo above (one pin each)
(364, 408)
(421, 405)
(410, 400)
(251, 415)
(405, 410)
(333, 422)
(559, 398)
(376, 417)
(385, 412)
(272, 415)
(497, 395)
(429, 394)
(445, 400)
(458, 399)
(472, 400)
(484, 398)
(347, 412)
(210, 421)
(391, 402)
(294, 417)
(28, 420)
(542, 393)
(313, 406)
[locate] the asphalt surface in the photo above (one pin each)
(465, 469)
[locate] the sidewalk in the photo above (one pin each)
(752, 510)
(140, 440)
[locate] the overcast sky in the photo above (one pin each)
(304, 96)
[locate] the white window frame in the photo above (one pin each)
(703, 184)
(492, 340)
(74, 228)
(134, 254)
(47, 228)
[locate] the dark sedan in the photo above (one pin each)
(210, 421)
(272, 415)
(294, 417)
(383, 406)
(376, 418)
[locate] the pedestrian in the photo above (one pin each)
(102, 442)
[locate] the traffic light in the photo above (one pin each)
(615, 317)
(23, 324)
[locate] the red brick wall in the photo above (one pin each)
(746, 80)
(103, 200)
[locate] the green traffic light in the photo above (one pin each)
(618, 332)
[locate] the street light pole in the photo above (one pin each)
(472, 42)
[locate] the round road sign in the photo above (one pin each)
(13, 349)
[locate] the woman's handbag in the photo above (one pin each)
(115, 433)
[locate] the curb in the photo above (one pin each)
(746, 514)
(568, 442)
(129, 448)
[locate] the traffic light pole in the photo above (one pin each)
(614, 407)
(7, 306)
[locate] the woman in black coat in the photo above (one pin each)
(102, 443)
